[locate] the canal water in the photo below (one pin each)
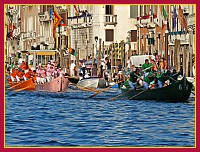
(72, 119)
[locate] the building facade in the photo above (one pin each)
(100, 31)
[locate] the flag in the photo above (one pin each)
(77, 12)
(182, 18)
(160, 18)
(174, 19)
(168, 28)
(51, 13)
(72, 51)
(56, 21)
(164, 13)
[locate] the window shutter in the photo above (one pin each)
(109, 34)
(133, 35)
(133, 11)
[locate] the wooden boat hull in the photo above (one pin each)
(59, 84)
(93, 83)
(176, 92)
(23, 84)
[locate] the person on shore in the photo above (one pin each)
(134, 53)
(83, 67)
(72, 68)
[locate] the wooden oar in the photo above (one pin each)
(137, 94)
(103, 90)
(23, 88)
(87, 88)
(113, 98)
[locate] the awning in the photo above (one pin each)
(41, 52)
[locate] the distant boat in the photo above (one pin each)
(178, 91)
(59, 84)
(93, 83)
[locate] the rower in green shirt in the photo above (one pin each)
(134, 78)
(148, 79)
(147, 67)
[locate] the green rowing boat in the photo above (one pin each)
(178, 91)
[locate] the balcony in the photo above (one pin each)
(44, 16)
(146, 21)
(16, 31)
(28, 35)
(110, 20)
(46, 40)
(42, 39)
(84, 20)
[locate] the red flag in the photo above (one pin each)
(182, 18)
(163, 25)
(77, 12)
(56, 22)
(12, 27)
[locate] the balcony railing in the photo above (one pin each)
(110, 20)
(44, 16)
(16, 31)
(28, 35)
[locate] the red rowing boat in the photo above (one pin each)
(25, 85)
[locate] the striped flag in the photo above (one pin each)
(164, 13)
(77, 12)
(174, 19)
(160, 18)
(56, 21)
(182, 19)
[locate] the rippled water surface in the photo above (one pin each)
(73, 119)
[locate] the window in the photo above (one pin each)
(133, 35)
(133, 11)
(109, 9)
(39, 58)
(109, 35)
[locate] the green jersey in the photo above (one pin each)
(145, 66)
(133, 77)
(149, 78)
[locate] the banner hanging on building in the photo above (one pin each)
(56, 21)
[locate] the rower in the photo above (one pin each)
(149, 78)
(159, 78)
(147, 67)
(13, 74)
(134, 78)
(27, 75)
(19, 75)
